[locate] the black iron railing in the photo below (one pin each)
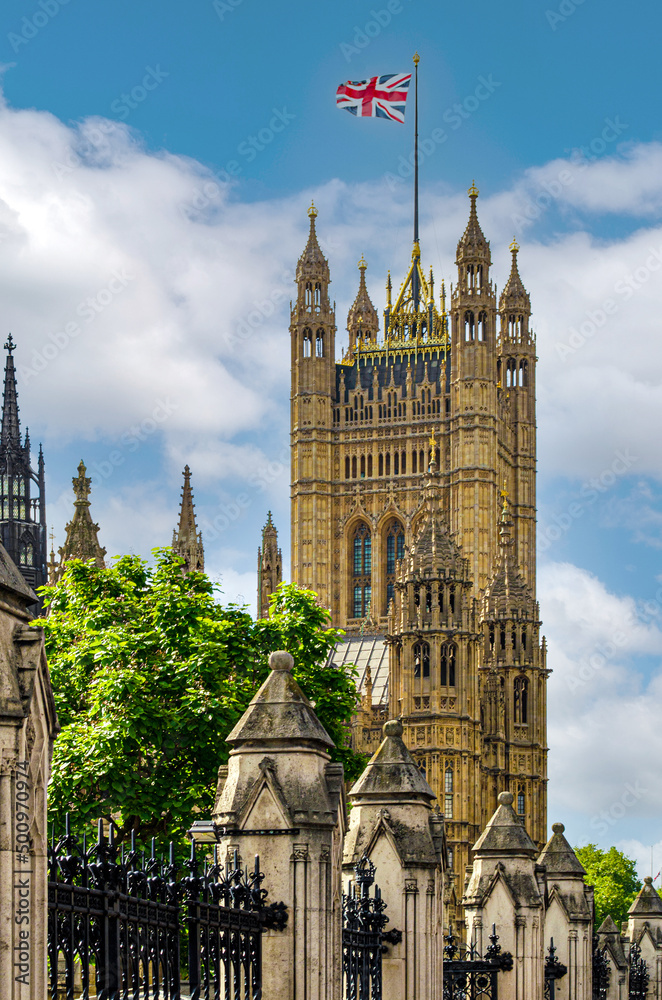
(123, 925)
(554, 969)
(638, 975)
(364, 938)
(601, 972)
(467, 976)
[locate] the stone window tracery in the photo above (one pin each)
(361, 571)
(395, 550)
(421, 653)
(447, 657)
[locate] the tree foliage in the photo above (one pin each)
(615, 879)
(150, 674)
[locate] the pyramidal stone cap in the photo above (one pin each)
(504, 834)
(392, 770)
(646, 903)
(558, 856)
(280, 711)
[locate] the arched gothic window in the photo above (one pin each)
(318, 296)
(521, 700)
(307, 342)
(361, 571)
(421, 653)
(26, 552)
(447, 657)
(521, 801)
(308, 298)
(319, 344)
(469, 326)
(482, 326)
(448, 793)
(395, 550)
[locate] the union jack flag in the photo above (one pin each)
(379, 97)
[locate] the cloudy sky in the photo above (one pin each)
(156, 163)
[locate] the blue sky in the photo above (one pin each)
(156, 161)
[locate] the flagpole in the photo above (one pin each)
(416, 61)
(415, 288)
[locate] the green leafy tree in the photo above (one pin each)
(150, 674)
(614, 877)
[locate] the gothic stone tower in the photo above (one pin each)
(22, 514)
(269, 567)
(402, 454)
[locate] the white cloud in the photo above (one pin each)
(175, 290)
(604, 733)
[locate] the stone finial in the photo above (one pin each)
(558, 828)
(392, 728)
(280, 659)
(505, 798)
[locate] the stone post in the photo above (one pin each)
(28, 725)
(281, 797)
(610, 940)
(568, 916)
(392, 822)
(645, 929)
(505, 889)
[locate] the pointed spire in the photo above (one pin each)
(269, 567)
(186, 540)
(312, 262)
(11, 433)
(81, 541)
(362, 319)
(507, 584)
(473, 246)
(514, 295)
(434, 552)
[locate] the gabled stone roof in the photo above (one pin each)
(504, 834)
(647, 902)
(280, 711)
(558, 856)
